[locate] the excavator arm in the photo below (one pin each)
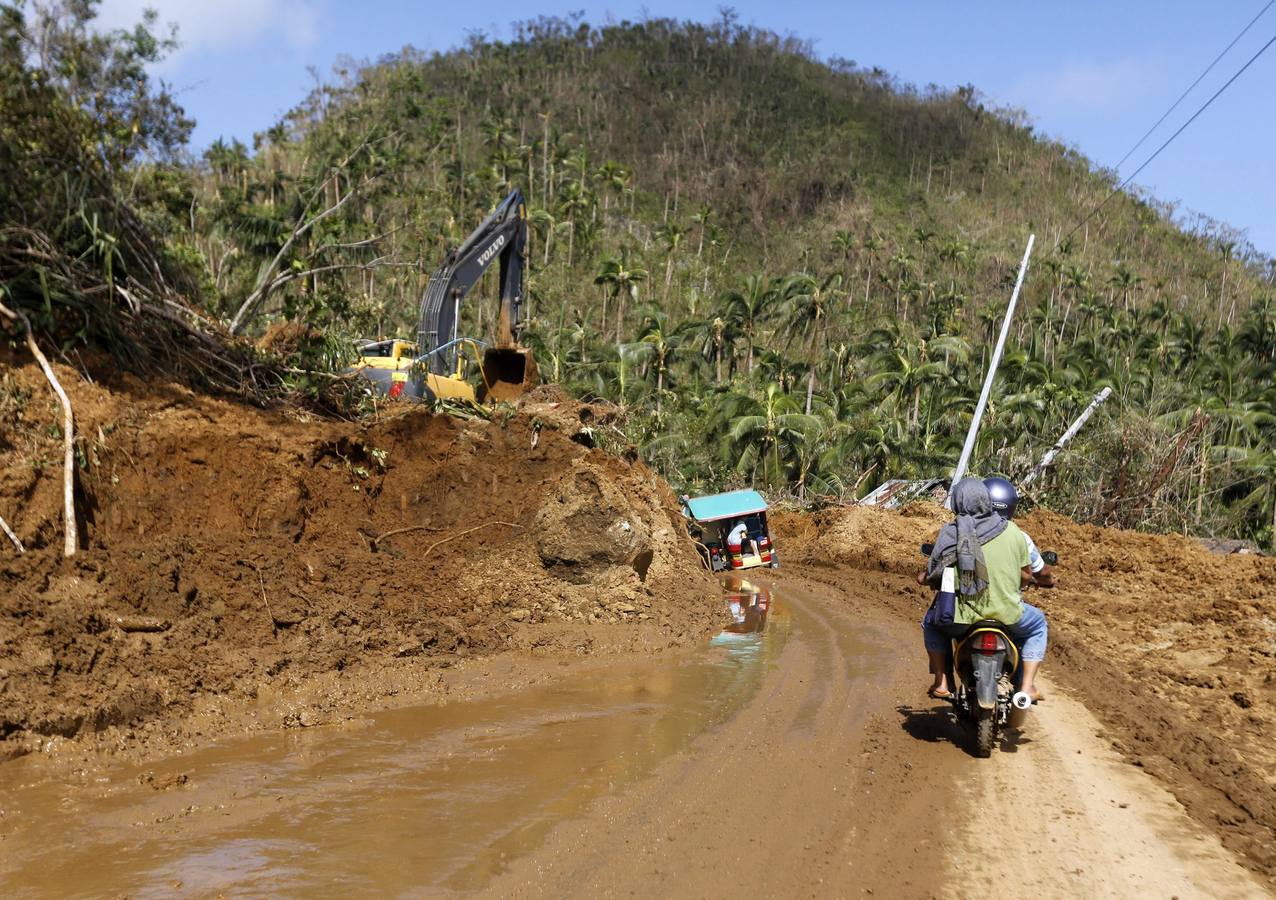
(502, 237)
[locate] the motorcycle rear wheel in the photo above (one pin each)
(984, 736)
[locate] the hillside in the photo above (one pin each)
(469, 647)
(787, 271)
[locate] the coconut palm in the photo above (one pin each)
(764, 433)
(749, 306)
(621, 277)
(671, 233)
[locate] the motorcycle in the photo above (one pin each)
(985, 660)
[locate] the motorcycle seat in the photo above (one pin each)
(963, 631)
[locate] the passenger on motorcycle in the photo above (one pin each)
(992, 561)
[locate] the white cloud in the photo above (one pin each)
(220, 24)
(1087, 86)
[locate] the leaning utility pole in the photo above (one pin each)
(969, 446)
(1068, 435)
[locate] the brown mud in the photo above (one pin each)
(1173, 648)
(792, 760)
(428, 799)
(248, 568)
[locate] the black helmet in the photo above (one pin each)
(1004, 496)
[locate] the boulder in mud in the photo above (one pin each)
(587, 528)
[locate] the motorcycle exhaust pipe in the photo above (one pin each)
(1020, 703)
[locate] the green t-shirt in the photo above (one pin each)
(1005, 555)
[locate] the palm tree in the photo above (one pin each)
(658, 342)
(808, 305)
(715, 335)
(903, 263)
(572, 202)
(871, 245)
(614, 179)
(623, 278)
(1123, 281)
(748, 306)
(764, 433)
(701, 218)
(672, 234)
(541, 221)
(903, 373)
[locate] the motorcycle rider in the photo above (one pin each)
(1004, 500)
(991, 558)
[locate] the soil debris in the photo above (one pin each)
(228, 551)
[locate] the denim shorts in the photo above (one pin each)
(1029, 634)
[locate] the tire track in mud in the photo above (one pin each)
(1083, 823)
(829, 775)
(841, 779)
(771, 803)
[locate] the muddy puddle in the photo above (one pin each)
(415, 801)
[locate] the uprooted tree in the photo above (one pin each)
(84, 254)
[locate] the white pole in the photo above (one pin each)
(969, 446)
(1067, 436)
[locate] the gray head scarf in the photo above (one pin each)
(960, 543)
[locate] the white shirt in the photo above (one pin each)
(1035, 562)
(739, 534)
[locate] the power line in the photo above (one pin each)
(1116, 190)
(1193, 85)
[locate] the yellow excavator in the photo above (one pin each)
(433, 366)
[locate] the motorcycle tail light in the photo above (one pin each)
(988, 643)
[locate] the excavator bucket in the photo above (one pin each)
(508, 373)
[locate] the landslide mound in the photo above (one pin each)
(1173, 647)
(229, 549)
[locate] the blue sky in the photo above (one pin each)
(1094, 74)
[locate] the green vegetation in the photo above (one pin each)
(789, 272)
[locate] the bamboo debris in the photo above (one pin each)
(70, 534)
(4, 526)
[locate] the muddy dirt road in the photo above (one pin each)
(794, 760)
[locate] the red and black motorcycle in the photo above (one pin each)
(985, 659)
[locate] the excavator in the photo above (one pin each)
(433, 366)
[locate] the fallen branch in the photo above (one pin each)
(13, 537)
(265, 281)
(430, 549)
(393, 532)
(145, 624)
(68, 432)
(858, 481)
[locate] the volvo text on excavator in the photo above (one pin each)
(433, 365)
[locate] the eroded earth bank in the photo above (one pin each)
(245, 568)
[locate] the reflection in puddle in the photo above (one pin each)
(420, 801)
(747, 605)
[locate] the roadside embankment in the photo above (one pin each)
(233, 556)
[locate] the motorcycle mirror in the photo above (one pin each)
(928, 549)
(1051, 558)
